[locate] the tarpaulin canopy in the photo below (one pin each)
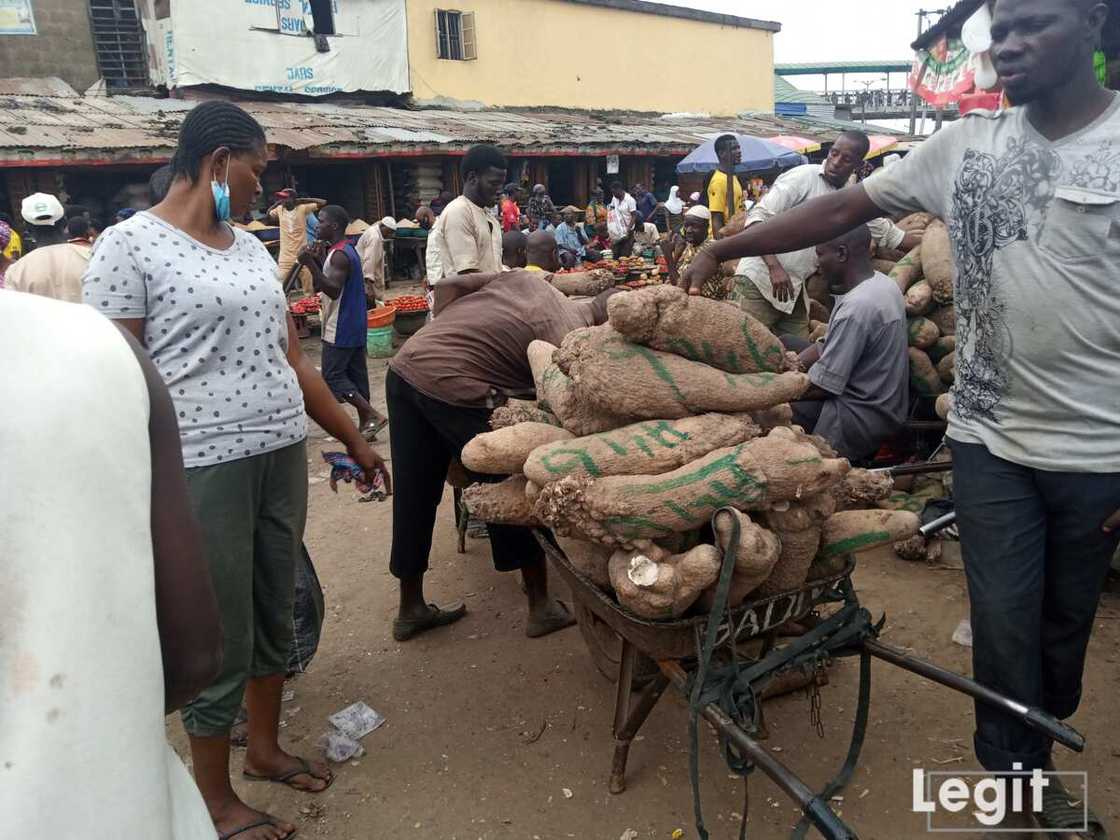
(881, 144)
(758, 156)
(801, 145)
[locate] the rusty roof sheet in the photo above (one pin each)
(76, 128)
(47, 86)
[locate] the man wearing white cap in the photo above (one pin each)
(371, 250)
(696, 229)
(51, 270)
(44, 212)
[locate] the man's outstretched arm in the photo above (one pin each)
(812, 223)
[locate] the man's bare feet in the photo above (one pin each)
(234, 820)
(548, 617)
(293, 771)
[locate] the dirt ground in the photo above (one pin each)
(492, 736)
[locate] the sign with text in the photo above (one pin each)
(16, 18)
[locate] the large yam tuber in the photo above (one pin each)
(919, 298)
(947, 369)
(622, 378)
(667, 318)
(583, 283)
(942, 348)
(556, 394)
(798, 550)
(798, 516)
(923, 375)
(946, 319)
(758, 551)
(943, 405)
(884, 266)
(651, 583)
(915, 221)
(776, 415)
(908, 270)
(521, 411)
(589, 559)
(937, 261)
(619, 510)
(504, 503)
(922, 332)
(504, 451)
(650, 447)
(852, 531)
(734, 225)
(818, 330)
(862, 487)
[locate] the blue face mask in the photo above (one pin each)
(221, 197)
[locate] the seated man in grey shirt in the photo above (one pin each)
(860, 376)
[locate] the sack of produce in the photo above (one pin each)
(619, 377)
(667, 318)
(923, 375)
(922, 332)
(937, 261)
(649, 447)
(504, 451)
(908, 270)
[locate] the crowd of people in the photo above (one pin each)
(192, 389)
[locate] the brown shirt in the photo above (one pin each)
(480, 341)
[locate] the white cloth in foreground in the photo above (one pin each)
(81, 677)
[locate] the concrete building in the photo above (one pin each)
(481, 53)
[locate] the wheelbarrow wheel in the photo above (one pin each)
(605, 647)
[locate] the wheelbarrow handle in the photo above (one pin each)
(1056, 730)
(939, 524)
(1029, 716)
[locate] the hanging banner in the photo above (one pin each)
(368, 52)
(16, 18)
(944, 73)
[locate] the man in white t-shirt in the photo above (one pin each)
(371, 249)
(1031, 197)
(109, 622)
(620, 220)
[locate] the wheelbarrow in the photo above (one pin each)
(727, 692)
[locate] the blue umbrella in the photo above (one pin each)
(758, 155)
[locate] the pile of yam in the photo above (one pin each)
(925, 278)
(644, 428)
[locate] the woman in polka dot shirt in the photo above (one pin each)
(204, 299)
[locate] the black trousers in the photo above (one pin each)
(425, 434)
(1036, 559)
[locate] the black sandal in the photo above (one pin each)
(304, 769)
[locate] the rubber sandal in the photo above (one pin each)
(369, 430)
(1062, 814)
(231, 834)
(407, 628)
(304, 769)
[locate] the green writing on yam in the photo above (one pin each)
(567, 460)
(855, 544)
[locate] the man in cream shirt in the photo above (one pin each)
(772, 288)
(371, 250)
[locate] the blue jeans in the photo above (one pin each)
(1036, 559)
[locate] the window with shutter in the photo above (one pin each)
(470, 46)
(456, 38)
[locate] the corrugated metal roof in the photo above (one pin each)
(127, 128)
(788, 93)
(818, 68)
(47, 86)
